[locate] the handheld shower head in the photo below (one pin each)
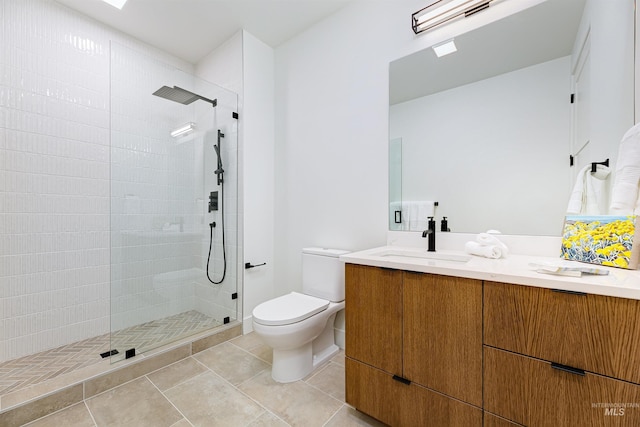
(182, 96)
(220, 170)
(217, 148)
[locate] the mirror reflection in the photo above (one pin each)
(488, 131)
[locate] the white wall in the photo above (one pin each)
(331, 126)
(258, 173)
(224, 65)
(511, 132)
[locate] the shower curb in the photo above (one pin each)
(78, 391)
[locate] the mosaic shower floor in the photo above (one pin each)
(29, 370)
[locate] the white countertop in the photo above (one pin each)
(513, 269)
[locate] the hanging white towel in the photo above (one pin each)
(624, 194)
(415, 214)
(587, 192)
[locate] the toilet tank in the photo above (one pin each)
(323, 273)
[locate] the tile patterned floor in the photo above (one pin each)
(152, 334)
(29, 370)
(26, 371)
(227, 385)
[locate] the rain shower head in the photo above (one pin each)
(181, 96)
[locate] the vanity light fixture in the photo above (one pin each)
(445, 48)
(441, 11)
(186, 128)
(116, 3)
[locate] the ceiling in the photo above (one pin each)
(191, 29)
(538, 34)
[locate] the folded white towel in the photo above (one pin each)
(624, 194)
(487, 251)
(488, 239)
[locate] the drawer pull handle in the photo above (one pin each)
(402, 380)
(568, 369)
(564, 291)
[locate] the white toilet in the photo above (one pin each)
(299, 327)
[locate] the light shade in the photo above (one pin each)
(441, 11)
(445, 48)
(185, 128)
(116, 3)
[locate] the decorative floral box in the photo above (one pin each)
(602, 239)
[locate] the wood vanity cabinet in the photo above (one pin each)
(413, 347)
(557, 358)
(430, 350)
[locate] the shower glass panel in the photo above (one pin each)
(164, 238)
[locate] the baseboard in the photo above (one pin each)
(247, 325)
(340, 338)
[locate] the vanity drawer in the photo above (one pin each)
(534, 393)
(592, 332)
(373, 392)
(377, 394)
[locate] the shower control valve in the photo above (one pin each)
(213, 201)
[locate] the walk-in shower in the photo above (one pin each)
(174, 206)
(104, 231)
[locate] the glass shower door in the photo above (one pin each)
(173, 204)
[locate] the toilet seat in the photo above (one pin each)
(288, 309)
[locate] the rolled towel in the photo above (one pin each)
(487, 239)
(487, 251)
(624, 198)
(624, 193)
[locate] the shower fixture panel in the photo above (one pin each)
(213, 201)
(185, 97)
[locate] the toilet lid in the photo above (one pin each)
(287, 309)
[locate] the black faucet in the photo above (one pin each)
(431, 232)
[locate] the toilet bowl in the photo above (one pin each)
(299, 327)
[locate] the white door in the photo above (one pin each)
(581, 109)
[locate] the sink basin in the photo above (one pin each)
(436, 256)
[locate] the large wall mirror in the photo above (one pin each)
(488, 131)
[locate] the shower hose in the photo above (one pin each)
(224, 250)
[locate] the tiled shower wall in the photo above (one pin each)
(54, 175)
